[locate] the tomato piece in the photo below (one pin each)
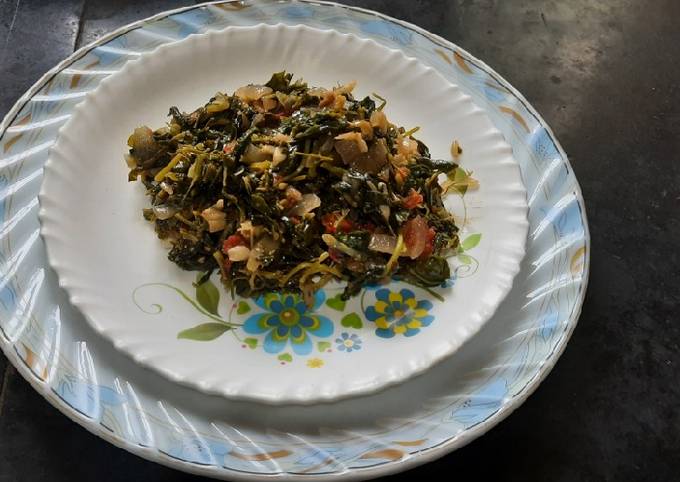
(415, 236)
(429, 244)
(328, 221)
(232, 241)
(345, 226)
(331, 219)
(413, 200)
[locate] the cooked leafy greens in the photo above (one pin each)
(283, 187)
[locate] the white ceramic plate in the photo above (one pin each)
(117, 272)
(103, 390)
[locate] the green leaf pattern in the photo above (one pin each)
(242, 308)
(208, 296)
(204, 332)
(470, 242)
(336, 302)
(351, 320)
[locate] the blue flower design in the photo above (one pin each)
(399, 313)
(348, 343)
(287, 318)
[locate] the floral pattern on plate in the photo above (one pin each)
(288, 318)
(399, 313)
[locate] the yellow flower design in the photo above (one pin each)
(399, 313)
(315, 363)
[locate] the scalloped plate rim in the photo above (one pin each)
(455, 441)
(502, 280)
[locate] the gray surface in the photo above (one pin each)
(606, 77)
(34, 36)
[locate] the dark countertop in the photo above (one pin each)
(605, 74)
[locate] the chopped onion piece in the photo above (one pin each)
(354, 137)
(379, 120)
(346, 88)
(366, 128)
(215, 218)
(251, 92)
(130, 161)
(238, 253)
(308, 203)
(278, 156)
(269, 103)
(383, 243)
(143, 143)
(163, 211)
(385, 211)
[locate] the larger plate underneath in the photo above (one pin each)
(456, 401)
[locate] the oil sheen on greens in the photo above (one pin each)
(285, 187)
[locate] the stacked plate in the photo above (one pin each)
(391, 378)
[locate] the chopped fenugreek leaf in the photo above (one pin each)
(283, 187)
